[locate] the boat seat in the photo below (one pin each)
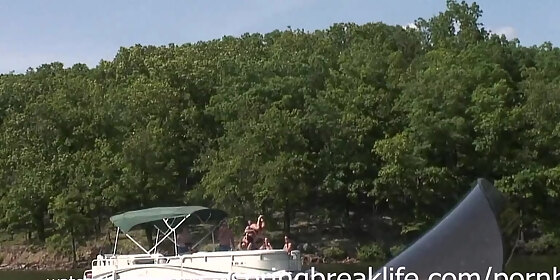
(144, 261)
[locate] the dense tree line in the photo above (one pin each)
(373, 119)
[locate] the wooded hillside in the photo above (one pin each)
(373, 119)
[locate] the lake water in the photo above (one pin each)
(522, 264)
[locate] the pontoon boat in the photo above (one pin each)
(151, 264)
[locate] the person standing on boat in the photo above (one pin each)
(250, 229)
(184, 242)
(256, 230)
(288, 244)
(225, 238)
(259, 230)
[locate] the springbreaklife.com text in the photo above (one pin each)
(385, 273)
(400, 273)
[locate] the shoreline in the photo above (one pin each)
(43, 267)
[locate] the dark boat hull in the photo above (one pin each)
(468, 239)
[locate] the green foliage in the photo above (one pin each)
(371, 252)
(208, 248)
(397, 249)
(59, 243)
(237, 224)
(334, 253)
(547, 243)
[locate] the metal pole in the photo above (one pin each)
(165, 232)
(157, 238)
(175, 241)
(137, 244)
(169, 233)
(116, 241)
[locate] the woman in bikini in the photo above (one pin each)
(247, 243)
(288, 244)
(266, 245)
(256, 230)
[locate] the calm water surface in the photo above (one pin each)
(520, 264)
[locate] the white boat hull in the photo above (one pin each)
(202, 265)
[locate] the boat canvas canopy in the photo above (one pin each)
(173, 216)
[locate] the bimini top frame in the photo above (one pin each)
(170, 218)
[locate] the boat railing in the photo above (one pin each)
(237, 259)
(103, 262)
(131, 260)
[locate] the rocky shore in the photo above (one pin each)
(43, 266)
(33, 257)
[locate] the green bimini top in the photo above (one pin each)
(154, 216)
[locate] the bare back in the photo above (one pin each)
(225, 236)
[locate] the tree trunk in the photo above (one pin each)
(74, 258)
(347, 214)
(41, 235)
(110, 239)
(266, 214)
(39, 222)
(149, 237)
(98, 224)
(287, 216)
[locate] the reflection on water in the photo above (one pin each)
(519, 264)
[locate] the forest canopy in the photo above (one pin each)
(372, 119)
